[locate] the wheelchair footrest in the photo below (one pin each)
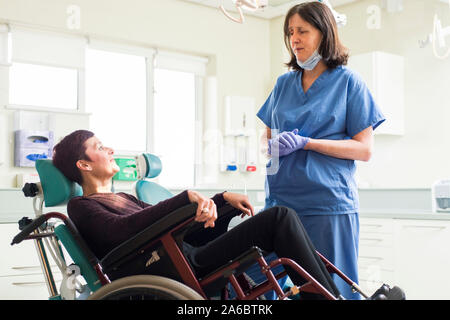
(218, 278)
(244, 260)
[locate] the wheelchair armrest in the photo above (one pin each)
(78, 240)
(36, 223)
(152, 232)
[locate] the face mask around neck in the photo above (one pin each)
(311, 62)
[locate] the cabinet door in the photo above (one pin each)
(21, 274)
(384, 75)
(18, 259)
(422, 259)
(376, 256)
(25, 287)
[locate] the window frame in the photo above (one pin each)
(80, 108)
(51, 37)
(148, 55)
(151, 56)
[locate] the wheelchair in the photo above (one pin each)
(151, 265)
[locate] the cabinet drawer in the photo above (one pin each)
(373, 225)
(18, 259)
(26, 287)
(372, 279)
(378, 257)
(375, 240)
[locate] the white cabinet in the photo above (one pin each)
(376, 253)
(423, 259)
(20, 272)
(25, 287)
(384, 75)
(412, 254)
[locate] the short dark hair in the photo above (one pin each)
(319, 16)
(68, 151)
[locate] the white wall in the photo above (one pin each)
(239, 54)
(421, 155)
(248, 58)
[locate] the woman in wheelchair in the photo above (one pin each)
(106, 219)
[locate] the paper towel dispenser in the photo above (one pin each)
(31, 145)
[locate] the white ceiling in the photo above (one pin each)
(275, 8)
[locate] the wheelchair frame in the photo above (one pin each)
(41, 230)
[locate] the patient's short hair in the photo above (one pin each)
(68, 151)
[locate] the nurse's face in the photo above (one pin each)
(303, 37)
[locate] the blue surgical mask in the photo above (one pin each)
(311, 62)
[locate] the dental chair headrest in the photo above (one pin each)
(148, 165)
(57, 189)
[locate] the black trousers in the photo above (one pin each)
(277, 229)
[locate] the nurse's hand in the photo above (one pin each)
(287, 142)
(240, 202)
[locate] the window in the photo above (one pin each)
(116, 96)
(46, 69)
(43, 86)
(174, 126)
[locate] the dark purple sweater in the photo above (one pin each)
(105, 220)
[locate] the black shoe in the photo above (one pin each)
(396, 294)
(387, 293)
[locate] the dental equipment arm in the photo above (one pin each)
(246, 4)
(241, 15)
(437, 37)
(252, 5)
(341, 19)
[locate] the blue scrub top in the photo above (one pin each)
(337, 106)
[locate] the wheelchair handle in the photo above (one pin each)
(36, 223)
(30, 189)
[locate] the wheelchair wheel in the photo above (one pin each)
(145, 287)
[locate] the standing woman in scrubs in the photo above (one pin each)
(320, 118)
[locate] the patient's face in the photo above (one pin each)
(102, 161)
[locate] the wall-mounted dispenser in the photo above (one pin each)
(31, 145)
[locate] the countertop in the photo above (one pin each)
(374, 203)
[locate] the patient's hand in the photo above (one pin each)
(206, 208)
(240, 202)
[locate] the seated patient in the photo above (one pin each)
(107, 219)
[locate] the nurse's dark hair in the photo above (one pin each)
(68, 151)
(320, 17)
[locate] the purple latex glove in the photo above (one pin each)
(287, 142)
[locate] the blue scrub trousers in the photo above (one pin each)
(336, 237)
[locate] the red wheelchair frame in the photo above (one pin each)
(168, 233)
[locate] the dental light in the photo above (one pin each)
(341, 19)
(254, 5)
(437, 38)
(249, 5)
(439, 35)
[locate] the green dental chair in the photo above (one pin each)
(150, 166)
